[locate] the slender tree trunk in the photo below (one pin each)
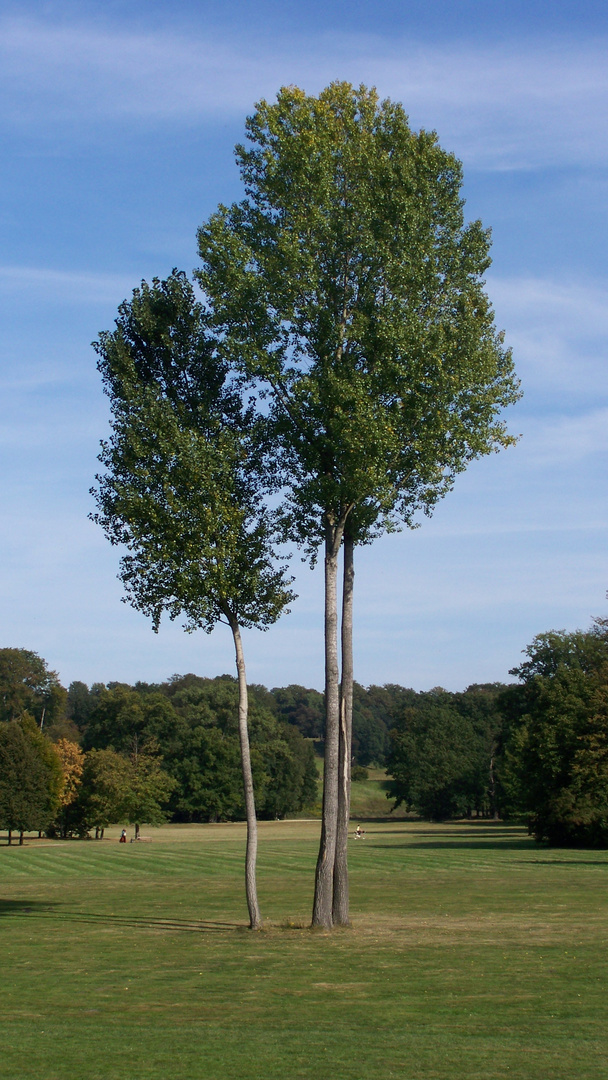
(10, 835)
(20, 838)
(324, 879)
(340, 897)
(251, 889)
(136, 832)
(492, 789)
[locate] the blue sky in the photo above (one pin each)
(118, 123)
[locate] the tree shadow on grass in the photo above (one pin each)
(25, 907)
(136, 922)
(457, 831)
(149, 922)
(381, 819)
(568, 862)
(459, 845)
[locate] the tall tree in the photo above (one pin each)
(149, 787)
(554, 764)
(104, 793)
(27, 685)
(350, 288)
(181, 489)
(30, 777)
(72, 764)
(80, 704)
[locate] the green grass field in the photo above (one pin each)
(474, 953)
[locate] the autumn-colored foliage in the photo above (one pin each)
(72, 765)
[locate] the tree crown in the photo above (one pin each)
(181, 488)
(347, 285)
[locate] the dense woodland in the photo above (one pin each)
(73, 761)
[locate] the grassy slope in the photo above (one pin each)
(368, 798)
(474, 954)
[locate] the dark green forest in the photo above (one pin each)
(534, 750)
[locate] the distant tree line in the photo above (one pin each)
(444, 749)
(191, 724)
(537, 750)
(144, 753)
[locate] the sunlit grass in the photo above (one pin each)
(473, 954)
(369, 798)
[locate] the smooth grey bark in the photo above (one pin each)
(324, 877)
(340, 911)
(493, 807)
(251, 890)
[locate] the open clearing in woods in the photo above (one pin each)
(474, 954)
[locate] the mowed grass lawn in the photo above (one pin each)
(474, 953)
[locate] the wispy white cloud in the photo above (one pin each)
(500, 106)
(67, 286)
(64, 431)
(558, 331)
(567, 439)
(484, 572)
(586, 302)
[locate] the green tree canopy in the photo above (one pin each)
(349, 283)
(193, 723)
(103, 793)
(301, 707)
(555, 759)
(443, 752)
(148, 789)
(31, 778)
(27, 685)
